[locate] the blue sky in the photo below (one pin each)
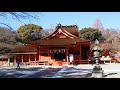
(82, 19)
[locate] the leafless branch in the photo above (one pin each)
(7, 26)
(21, 15)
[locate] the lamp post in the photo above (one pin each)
(97, 70)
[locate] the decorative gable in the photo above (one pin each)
(60, 32)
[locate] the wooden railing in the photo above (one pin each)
(81, 61)
(42, 62)
(109, 61)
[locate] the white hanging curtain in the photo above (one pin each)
(57, 51)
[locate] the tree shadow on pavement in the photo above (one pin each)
(13, 73)
(105, 75)
(47, 73)
(73, 72)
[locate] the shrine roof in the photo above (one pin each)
(22, 53)
(63, 35)
(24, 48)
(56, 41)
(73, 29)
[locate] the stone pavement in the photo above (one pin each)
(70, 71)
(28, 71)
(111, 70)
(11, 72)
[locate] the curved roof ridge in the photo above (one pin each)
(60, 26)
(69, 33)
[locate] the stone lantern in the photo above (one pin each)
(97, 70)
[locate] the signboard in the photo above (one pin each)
(71, 57)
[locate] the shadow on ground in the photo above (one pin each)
(47, 73)
(109, 74)
(13, 73)
(73, 72)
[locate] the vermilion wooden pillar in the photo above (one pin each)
(35, 59)
(80, 53)
(22, 58)
(67, 55)
(15, 60)
(49, 56)
(39, 54)
(29, 57)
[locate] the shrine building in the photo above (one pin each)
(59, 48)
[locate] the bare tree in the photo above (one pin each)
(98, 25)
(112, 37)
(19, 16)
(7, 40)
(8, 35)
(35, 35)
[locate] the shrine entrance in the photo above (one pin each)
(85, 49)
(60, 56)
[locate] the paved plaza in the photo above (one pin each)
(111, 70)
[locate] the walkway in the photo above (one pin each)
(80, 71)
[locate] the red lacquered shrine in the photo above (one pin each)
(57, 49)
